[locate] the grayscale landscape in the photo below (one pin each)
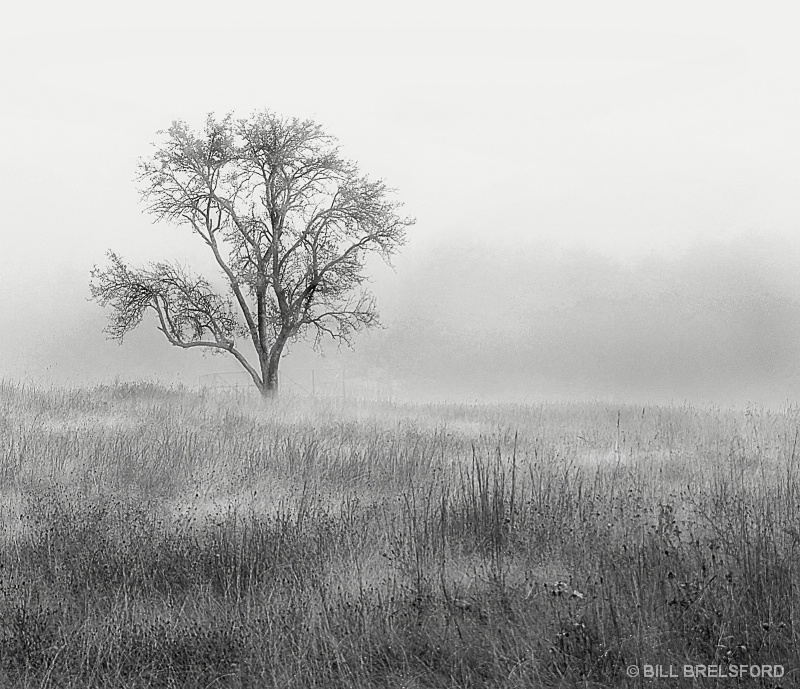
(421, 347)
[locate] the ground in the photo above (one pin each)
(164, 538)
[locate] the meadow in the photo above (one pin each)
(157, 537)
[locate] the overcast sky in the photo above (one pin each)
(606, 194)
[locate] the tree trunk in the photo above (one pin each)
(269, 389)
(270, 371)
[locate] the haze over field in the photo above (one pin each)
(605, 196)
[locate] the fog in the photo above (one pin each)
(719, 322)
(605, 197)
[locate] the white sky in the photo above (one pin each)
(617, 127)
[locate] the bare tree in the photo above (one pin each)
(289, 223)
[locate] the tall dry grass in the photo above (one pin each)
(164, 538)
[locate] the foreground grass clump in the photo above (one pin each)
(161, 538)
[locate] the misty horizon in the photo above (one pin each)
(718, 324)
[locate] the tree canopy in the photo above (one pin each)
(289, 222)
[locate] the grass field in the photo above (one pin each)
(163, 538)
